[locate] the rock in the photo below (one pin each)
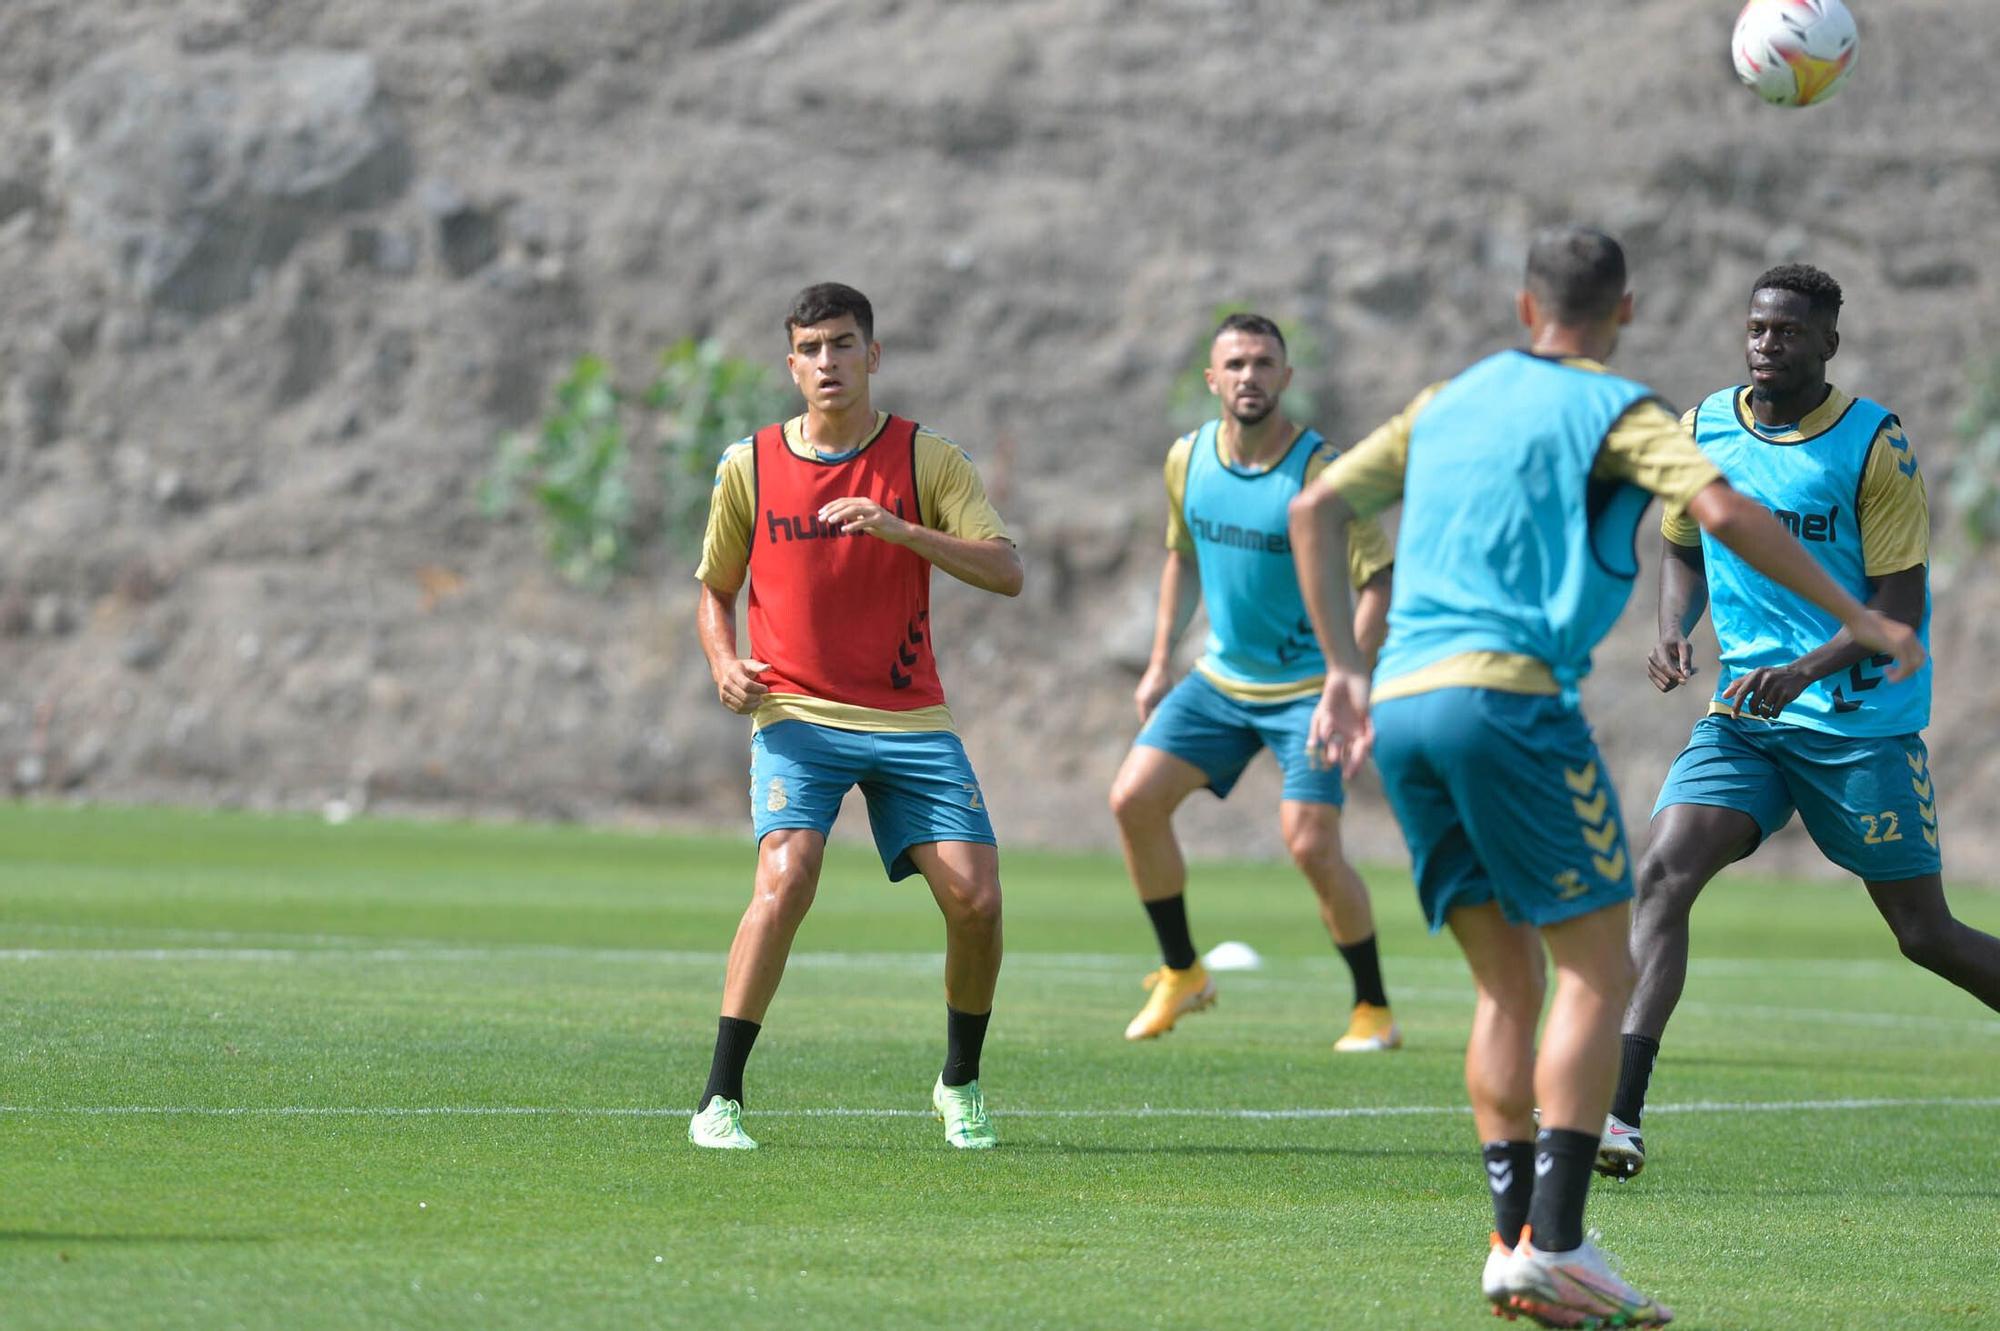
(16, 196)
(141, 650)
(1930, 268)
(387, 250)
(192, 173)
(38, 399)
(468, 235)
(525, 71)
(50, 616)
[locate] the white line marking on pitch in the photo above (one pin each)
(1133, 1111)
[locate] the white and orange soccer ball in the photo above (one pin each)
(1794, 52)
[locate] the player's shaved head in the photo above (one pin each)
(829, 300)
(1576, 273)
(1822, 293)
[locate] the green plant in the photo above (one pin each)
(1975, 476)
(574, 471)
(1189, 403)
(707, 399)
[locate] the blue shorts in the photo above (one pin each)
(1502, 796)
(920, 787)
(1869, 804)
(1200, 724)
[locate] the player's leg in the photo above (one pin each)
(1721, 798)
(929, 817)
(1507, 973)
(1930, 935)
(1543, 821)
(964, 878)
(1309, 818)
(1311, 829)
(1196, 737)
(1414, 741)
(1151, 784)
(1558, 1274)
(1871, 804)
(798, 774)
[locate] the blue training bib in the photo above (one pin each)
(1508, 544)
(1258, 631)
(1812, 486)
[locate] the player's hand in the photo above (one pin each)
(1154, 685)
(1766, 692)
(1891, 637)
(1341, 731)
(738, 687)
(1671, 663)
(857, 514)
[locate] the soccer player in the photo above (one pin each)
(1523, 481)
(837, 517)
(1228, 485)
(1802, 718)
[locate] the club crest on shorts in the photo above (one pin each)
(775, 797)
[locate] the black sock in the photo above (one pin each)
(733, 1038)
(1510, 1173)
(1563, 1158)
(1635, 1069)
(1361, 958)
(1170, 923)
(964, 1034)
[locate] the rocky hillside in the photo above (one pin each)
(277, 276)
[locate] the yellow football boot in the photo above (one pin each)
(1175, 993)
(1372, 1030)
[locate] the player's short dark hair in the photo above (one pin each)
(1254, 324)
(829, 300)
(1577, 272)
(1822, 293)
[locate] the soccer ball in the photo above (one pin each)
(1794, 52)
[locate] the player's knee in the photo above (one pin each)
(1132, 802)
(1925, 940)
(976, 904)
(1313, 847)
(787, 882)
(1661, 888)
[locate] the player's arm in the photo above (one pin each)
(1648, 448)
(1361, 483)
(1683, 600)
(1894, 519)
(992, 565)
(1772, 689)
(1180, 584)
(735, 677)
(725, 562)
(1371, 617)
(964, 537)
(1748, 528)
(1180, 592)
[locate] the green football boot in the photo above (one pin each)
(966, 1122)
(719, 1127)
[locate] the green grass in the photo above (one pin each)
(155, 965)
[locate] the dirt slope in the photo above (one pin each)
(277, 276)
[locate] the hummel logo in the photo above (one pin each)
(1502, 1176)
(1543, 1164)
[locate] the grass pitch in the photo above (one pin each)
(265, 1073)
